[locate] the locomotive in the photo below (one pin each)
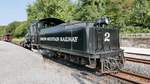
(85, 43)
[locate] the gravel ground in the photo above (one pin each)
(138, 68)
(81, 74)
(21, 66)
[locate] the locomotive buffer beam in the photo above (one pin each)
(111, 62)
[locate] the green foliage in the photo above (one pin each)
(132, 29)
(17, 29)
(20, 31)
(130, 15)
(2, 30)
(90, 9)
(62, 9)
(140, 15)
(10, 28)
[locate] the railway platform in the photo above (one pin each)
(21, 66)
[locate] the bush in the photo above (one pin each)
(20, 31)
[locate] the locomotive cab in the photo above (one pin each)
(36, 26)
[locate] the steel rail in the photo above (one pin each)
(144, 61)
(131, 77)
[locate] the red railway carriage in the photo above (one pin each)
(7, 37)
(0, 37)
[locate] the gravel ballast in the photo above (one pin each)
(139, 68)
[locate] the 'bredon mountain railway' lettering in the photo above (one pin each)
(60, 39)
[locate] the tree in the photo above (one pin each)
(140, 15)
(21, 30)
(61, 9)
(2, 30)
(10, 28)
(126, 14)
(90, 9)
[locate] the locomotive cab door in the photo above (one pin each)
(34, 33)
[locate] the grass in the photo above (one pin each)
(17, 40)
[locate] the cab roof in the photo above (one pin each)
(54, 20)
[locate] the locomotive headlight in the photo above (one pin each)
(102, 21)
(106, 21)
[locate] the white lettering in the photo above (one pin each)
(107, 36)
(61, 39)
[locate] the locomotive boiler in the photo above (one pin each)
(85, 43)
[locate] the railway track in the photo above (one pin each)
(128, 76)
(92, 77)
(131, 77)
(144, 61)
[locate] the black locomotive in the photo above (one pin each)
(86, 43)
